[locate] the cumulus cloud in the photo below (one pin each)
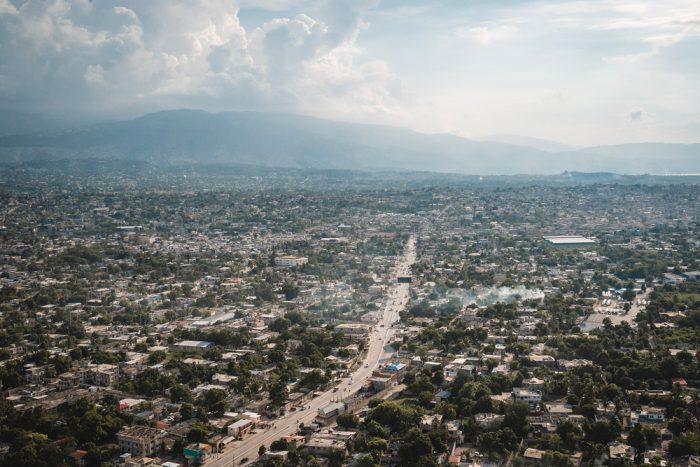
(654, 26)
(7, 8)
(139, 56)
(487, 34)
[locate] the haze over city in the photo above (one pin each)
(349, 233)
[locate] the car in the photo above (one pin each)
(366, 365)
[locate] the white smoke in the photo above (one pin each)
(484, 296)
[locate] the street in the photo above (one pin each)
(378, 350)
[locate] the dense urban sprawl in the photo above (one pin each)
(184, 318)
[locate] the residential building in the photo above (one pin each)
(140, 440)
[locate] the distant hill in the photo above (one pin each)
(294, 141)
(13, 122)
(535, 143)
(659, 158)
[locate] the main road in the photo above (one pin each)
(378, 349)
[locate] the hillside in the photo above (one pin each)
(284, 140)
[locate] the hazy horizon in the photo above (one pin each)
(576, 73)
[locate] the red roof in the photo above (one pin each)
(679, 381)
(78, 454)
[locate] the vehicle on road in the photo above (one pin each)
(366, 365)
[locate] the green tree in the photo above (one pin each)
(186, 411)
(365, 460)
(638, 441)
(395, 415)
(684, 445)
(180, 393)
(416, 445)
(290, 290)
(279, 445)
(515, 418)
(377, 447)
(347, 420)
(198, 433)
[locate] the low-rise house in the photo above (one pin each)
(68, 380)
(240, 428)
(428, 421)
(533, 384)
(331, 410)
(647, 415)
(532, 398)
(197, 452)
(533, 456)
(353, 329)
(575, 363)
(619, 451)
(324, 447)
(488, 421)
(381, 382)
(542, 360)
(222, 379)
(324, 444)
(272, 456)
(191, 346)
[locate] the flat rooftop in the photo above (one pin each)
(568, 240)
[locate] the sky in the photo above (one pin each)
(578, 72)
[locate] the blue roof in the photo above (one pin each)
(395, 366)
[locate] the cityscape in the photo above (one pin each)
(349, 233)
(320, 319)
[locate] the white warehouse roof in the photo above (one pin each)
(568, 240)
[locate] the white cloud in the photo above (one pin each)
(487, 34)
(654, 26)
(7, 8)
(141, 56)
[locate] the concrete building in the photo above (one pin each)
(355, 329)
(428, 421)
(331, 410)
(240, 428)
(197, 452)
(103, 374)
(324, 447)
(542, 360)
(189, 346)
(568, 241)
(532, 398)
(290, 261)
(647, 415)
(140, 440)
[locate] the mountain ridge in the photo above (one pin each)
(297, 141)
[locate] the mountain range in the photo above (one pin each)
(295, 141)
